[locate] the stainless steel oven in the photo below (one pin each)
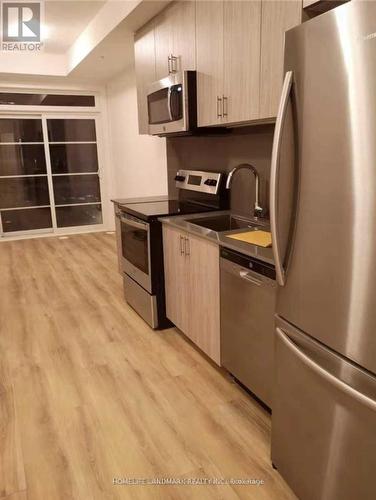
(172, 103)
(140, 241)
(135, 249)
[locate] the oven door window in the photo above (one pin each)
(135, 246)
(165, 105)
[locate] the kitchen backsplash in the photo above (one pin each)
(223, 152)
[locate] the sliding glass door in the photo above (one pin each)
(49, 174)
(24, 193)
(75, 171)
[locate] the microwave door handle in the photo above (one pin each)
(169, 94)
(133, 223)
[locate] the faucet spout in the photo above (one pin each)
(257, 209)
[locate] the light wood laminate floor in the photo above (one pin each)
(88, 392)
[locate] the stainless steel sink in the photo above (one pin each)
(226, 222)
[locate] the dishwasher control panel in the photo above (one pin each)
(247, 262)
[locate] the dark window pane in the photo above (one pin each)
(81, 215)
(20, 130)
(46, 99)
(73, 158)
(24, 192)
(76, 189)
(71, 130)
(22, 159)
(26, 219)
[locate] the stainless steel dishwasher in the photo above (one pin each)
(248, 294)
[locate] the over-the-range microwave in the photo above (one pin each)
(172, 104)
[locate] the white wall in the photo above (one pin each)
(139, 166)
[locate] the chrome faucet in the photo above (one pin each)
(257, 210)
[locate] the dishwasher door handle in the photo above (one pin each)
(245, 275)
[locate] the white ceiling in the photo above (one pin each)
(83, 40)
(64, 21)
(109, 58)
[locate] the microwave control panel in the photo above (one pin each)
(205, 182)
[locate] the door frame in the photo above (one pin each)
(50, 112)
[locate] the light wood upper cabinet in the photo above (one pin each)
(242, 25)
(235, 46)
(175, 36)
(163, 44)
(210, 62)
(183, 16)
(144, 50)
(240, 58)
(228, 61)
(172, 32)
(277, 17)
(192, 288)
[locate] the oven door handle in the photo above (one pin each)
(133, 223)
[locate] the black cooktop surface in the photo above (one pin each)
(150, 210)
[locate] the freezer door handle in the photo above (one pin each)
(287, 84)
(342, 386)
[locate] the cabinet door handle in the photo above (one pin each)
(225, 105)
(172, 64)
(169, 64)
(181, 245)
(219, 107)
(187, 247)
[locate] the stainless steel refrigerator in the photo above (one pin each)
(323, 218)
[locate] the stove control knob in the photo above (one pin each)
(180, 178)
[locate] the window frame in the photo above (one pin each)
(60, 112)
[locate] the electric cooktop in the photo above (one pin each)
(150, 210)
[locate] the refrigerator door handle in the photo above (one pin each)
(342, 386)
(287, 84)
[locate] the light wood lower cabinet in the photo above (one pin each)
(192, 288)
(176, 278)
(203, 278)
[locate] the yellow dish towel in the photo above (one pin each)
(259, 238)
